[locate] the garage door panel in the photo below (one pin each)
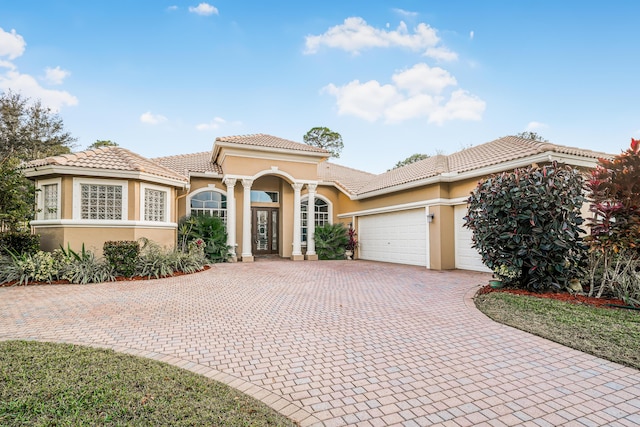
(467, 258)
(398, 237)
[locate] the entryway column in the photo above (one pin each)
(311, 223)
(231, 217)
(296, 255)
(247, 256)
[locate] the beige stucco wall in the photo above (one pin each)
(251, 166)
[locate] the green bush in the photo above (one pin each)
(615, 275)
(19, 242)
(331, 241)
(27, 267)
(82, 267)
(122, 256)
(211, 230)
(155, 261)
(526, 226)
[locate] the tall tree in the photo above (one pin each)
(30, 131)
(411, 159)
(325, 138)
(102, 143)
(532, 136)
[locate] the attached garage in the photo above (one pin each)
(399, 237)
(467, 258)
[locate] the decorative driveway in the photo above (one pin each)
(338, 343)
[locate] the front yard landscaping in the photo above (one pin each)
(45, 384)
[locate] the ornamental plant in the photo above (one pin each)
(526, 226)
(331, 241)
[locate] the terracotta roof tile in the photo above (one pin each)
(185, 163)
(348, 178)
(110, 158)
(263, 140)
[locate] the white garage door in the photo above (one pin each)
(467, 258)
(399, 237)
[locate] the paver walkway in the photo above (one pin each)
(338, 343)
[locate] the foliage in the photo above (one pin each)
(614, 193)
(352, 243)
(122, 255)
(411, 159)
(326, 139)
(17, 195)
(210, 229)
(19, 242)
(49, 384)
(532, 136)
(331, 241)
(28, 267)
(82, 267)
(155, 261)
(615, 275)
(102, 143)
(30, 131)
(527, 221)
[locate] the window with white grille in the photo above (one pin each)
(211, 203)
(100, 201)
(155, 205)
(50, 201)
(320, 215)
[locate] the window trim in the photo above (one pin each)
(167, 202)
(305, 198)
(40, 198)
(77, 198)
(203, 189)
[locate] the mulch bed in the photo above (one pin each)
(560, 296)
(118, 279)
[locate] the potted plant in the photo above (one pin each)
(352, 244)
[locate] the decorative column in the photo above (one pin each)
(231, 218)
(247, 256)
(311, 223)
(296, 255)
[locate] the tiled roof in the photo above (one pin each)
(349, 179)
(109, 158)
(268, 141)
(501, 150)
(185, 163)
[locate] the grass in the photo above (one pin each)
(611, 334)
(44, 384)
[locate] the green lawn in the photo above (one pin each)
(45, 384)
(613, 334)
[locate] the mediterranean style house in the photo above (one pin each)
(271, 192)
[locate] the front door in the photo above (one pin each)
(264, 231)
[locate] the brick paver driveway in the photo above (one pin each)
(338, 343)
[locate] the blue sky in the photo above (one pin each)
(393, 77)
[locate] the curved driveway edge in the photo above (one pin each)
(338, 343)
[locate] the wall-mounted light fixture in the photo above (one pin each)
(430, 217)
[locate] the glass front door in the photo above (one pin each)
(264, 231)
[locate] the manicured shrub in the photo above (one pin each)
(155, 261)
(211, 230)
(331, 241)
(19, 242)
(526, 226)
(82, 267)
(122, 256)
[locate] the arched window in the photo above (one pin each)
(321, 215)
(210, 203)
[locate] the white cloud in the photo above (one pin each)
(367, 100)
(471, 34)
(212, 125)
(152, 119)
(204, 9)
(7, 64)
(533, 126)
(27, 86)
(12, 45)
(422, 78)
(55, 76)
(355, 35)
(416, 92)
(171, 8)
(461, 106)
(405, 13)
